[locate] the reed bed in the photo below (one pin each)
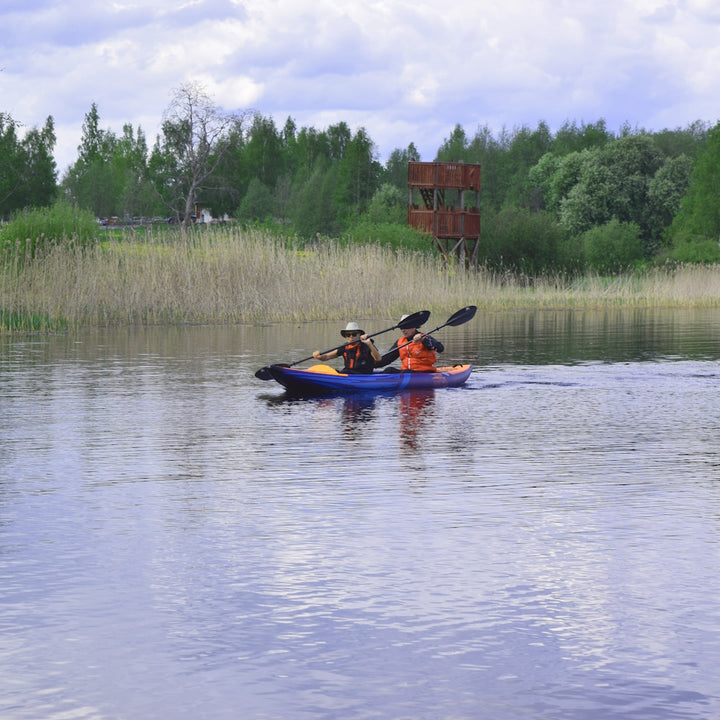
(225, 275)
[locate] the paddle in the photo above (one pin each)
(411, 321)
(458, 318)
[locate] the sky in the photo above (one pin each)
(404, 70)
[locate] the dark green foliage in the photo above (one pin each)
(396, 168)
(699, 217)
(627, 179)
(257, 203)
(109, 177)
(388, 205)
(572, 139)
(612, 247)
(542, 193)
(694, 250)
(689, 141)
(358, 175)
(524, 241)
(398, 237)
(613, 183)
(34, 230)
(665, 193)
(28, 175)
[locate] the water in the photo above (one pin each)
(180, 540)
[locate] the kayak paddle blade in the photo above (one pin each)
(462, 316)
(415, 320)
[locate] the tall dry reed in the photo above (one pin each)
(225, 275)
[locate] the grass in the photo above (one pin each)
(226, 275)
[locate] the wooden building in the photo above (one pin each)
(444, 201)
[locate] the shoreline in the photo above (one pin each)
(229, 276)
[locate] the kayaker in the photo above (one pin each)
(417, 351)
(360, 354)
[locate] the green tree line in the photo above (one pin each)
(581, 197)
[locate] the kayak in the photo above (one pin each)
(325, 380)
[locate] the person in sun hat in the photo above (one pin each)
(360, 354)
(417, 351)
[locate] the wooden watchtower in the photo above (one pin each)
(450, 211)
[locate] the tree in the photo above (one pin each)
(388, 205)
(309, 147)
(92, 181)
(28, 175)
(92, 144)
(339, 137)
(39, 183)
(129, 164)
(396, 168)
(526, 148)
(10, 164)
(309, 207)
(612, 247)
(486, 150)
(699, 216)
(665, 193)
(522, 241)
(263, 158)
(570, 138)
(257, 204)
(689, 141)
(358, 175)
(196, 137)
(454, 148)
(613, 181)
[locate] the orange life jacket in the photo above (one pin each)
(415, 356)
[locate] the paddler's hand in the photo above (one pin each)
(317, 355)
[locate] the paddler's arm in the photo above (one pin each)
(390, 356)
(432, 344)
(325, 356)
(373, 350)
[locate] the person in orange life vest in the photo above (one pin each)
(360, 354)
(417, 351)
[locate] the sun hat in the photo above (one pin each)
(351, 327)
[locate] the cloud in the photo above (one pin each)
(406, 71)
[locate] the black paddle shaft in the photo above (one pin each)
(415, 320)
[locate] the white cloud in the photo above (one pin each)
(407, 71)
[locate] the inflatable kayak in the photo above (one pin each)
(324, 380)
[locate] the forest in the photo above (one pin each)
(576, 199)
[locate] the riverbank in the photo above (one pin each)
(226, 275)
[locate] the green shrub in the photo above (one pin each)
(612, 247)
(390, 234)
(388, 205)
(694, 250)
(34, 229)
(522, 241)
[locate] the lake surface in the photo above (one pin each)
(180, 540)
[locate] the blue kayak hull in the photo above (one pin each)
(323, 380)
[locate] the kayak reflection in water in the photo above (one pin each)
(360, 354)
(417, 351)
